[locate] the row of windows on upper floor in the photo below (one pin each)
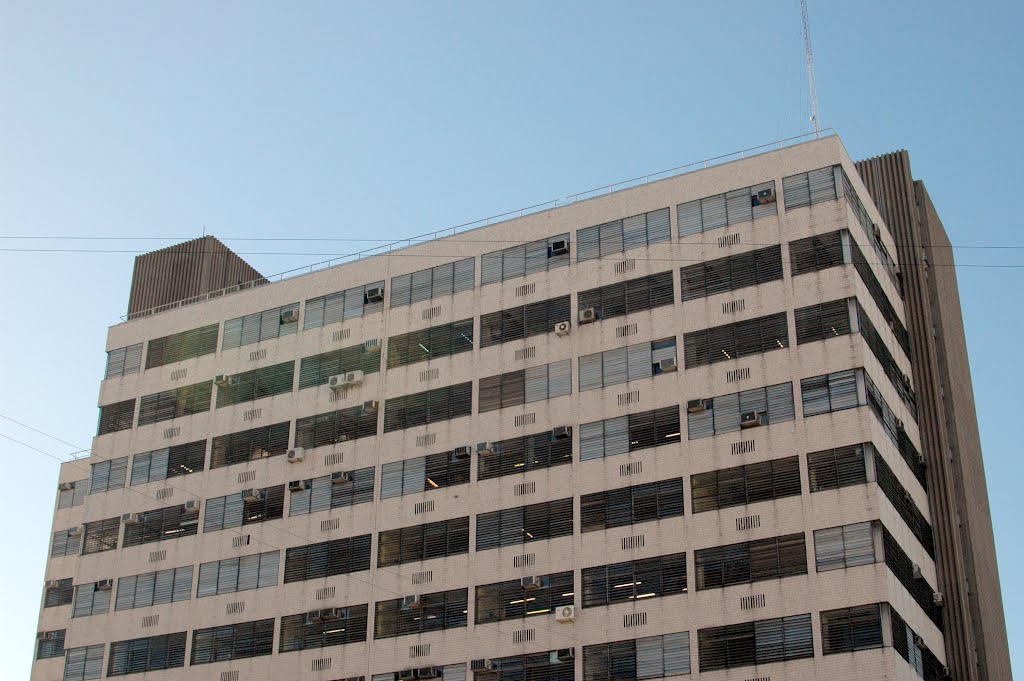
(764, 641)
(614, 237)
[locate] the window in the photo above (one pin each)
(261, 326)
(427, 344)
(326, 559)
(524, 321)
(429, 406)
(59, 595)
(525, 386)
(249, 445)
(66, 542)
(154, 588)
(51, 644)
(236, 510)
(759, 642)
(522, 260)
(511, 600)
(628, 297)
(544, 666)
(169, 522)
(819, 252)
(835, 468)
(436, 611)
(332, 491)
(68, 498)
(433, 282)
(245, 573)
(83, 663)
(739, 339)
(878, 295)
(423, 542)
(108, 475)
(807, 189)
(512, 526)
(634, 580)
(846, 546)
(301, 632)
(864, 220)
(169, 462)
(830, 392)
(524, 454)
(333, 427)
(629, 505)
(170, 404)
(825, 320)
(318, 369)
(423, 474)
(752, 561)
(722, 414)
(101, 535)
(256, 384)
(233, 641)
(623, 235)
(124, 361)
(147, 654)
(612, 367)
(902, 568)
(850, 629)
(181, 346)
(749, 484)
(894, 429)
(651, 657)
(90, 599)
(341, 306)
(629, 433)
(117, 416)
(903, 502)
(721, 210)
(920, 658)
(731, 273)
(880, 350)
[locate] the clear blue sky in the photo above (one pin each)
(376, 120)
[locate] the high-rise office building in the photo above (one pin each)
(692, 427)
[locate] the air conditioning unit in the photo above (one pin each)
(312, 617)
(260, 453)
(487, 664)
(328, 614)
(906, 381)
(696, 406)
(560, 247)
(131, 518)
(751, 419)
(562, 328)
(762, 197)
(462, 453)
(374, 294)
(290, 316)
(372, 345)
(877, 231)
(429, 673)
(296, 455)
(410, 602)
(561, 433)
(937, 599)
(341, 478)
(105, 585)
(666, 365)
(346, 380)
(899, 424)
(66, 486)
(919, 642)
(407, 675)
(75, 531)
(296, 485)
(370, 407)
(587, 315)
(917, 572)
(252, 495)
(921, 460)
(51, 584)
(566, 614)
(191, 506)
(485, 448)
(221, 380)
(45, 635)
(531, 582)
(565, 655)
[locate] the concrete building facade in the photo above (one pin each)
(670, 430)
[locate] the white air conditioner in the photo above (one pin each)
(561, 433)
(560, 247)
(51, 584)
(429, 673)
(762, 197)
(312, 617)
(66, 486)
(131, 519)
(876, 231)
(191, 506)
(937, 599)
(251, 495)
(751, 419)
(105, 585)
(370, 406)
(899, 424)
(341, 478)
(328, 614)
(374, 294)
(532, 582)
(347, 380)
(587, 315)
(290, 316)
(296, 485)
(296, 455)
(696, 406)
(668, 364)
(489, 664)
(917, 572)
(919, 642)
(484, 448)
(462, 453)
(221, 380)
(407, 675)
(410, 602)
(372, 345)
(562, 328)
(45, 635)
(566, 614)
(565, 655)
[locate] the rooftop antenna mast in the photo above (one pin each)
(810, 68)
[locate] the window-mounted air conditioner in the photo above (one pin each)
(374, 294)
(191, 506)
(532, 582)
(485, 448)
(696, 406)
(221, 380)
(565, 655)
(341, 478)
(105, 585)
(561, 433)
(917, 572)
(751, 419)
(251, 495)
(560, 247)
(66, 486)
(407, 675)
(75, 531)
(51, 584)
(762, 197)
(937, 599)
(411, 602)
(296, 485)
(370, 407)
(131, 518)
(290, 316)
(666, 365)
(429, 673)
(462, 453)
